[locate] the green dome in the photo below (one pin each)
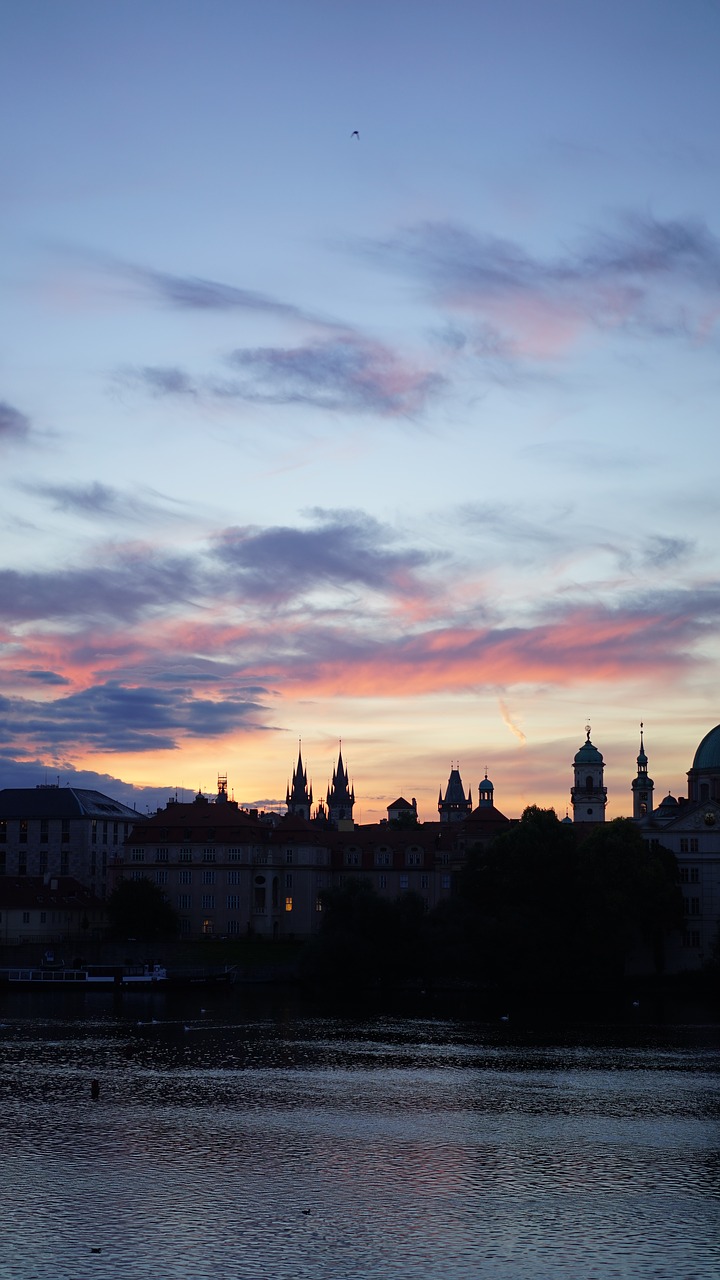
(588, 754)
(707, 755)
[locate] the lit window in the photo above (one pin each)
(288, 904)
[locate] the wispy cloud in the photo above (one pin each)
(130, 583)
(658, 277)
(14, 425)
(348, 372)
(98, 500)
(187, 292)
(113, 718)
(345, 550)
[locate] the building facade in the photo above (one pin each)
(689, 826)
(62, 831)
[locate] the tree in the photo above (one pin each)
(138, 909)
(628, 896)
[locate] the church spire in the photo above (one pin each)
(340, 794)
(299, 796)
(642, 785)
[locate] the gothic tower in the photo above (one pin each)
(299, 796)
(588, 795)
(642, 786)
(456, 805)
(340, 795)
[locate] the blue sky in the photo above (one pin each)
(405, 439)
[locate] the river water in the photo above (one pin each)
(233, 1140)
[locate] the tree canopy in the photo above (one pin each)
(138, 909)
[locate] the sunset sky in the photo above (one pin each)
(407, 439)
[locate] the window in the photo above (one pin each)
(208, 855)
(161, 855)
(26, 917)
(684, 846)
(22, 864)
(137, 855)
(318, 904)
(184, 901)
(207, 927)
(93, 829)
(382, 882)
(184, 926)
(288, 879)
(404, 881)
(694, 844)
(43, 917)
(115, 832)
(104, 833)
(185, 856)
(288, 855)
(424, 882)
(691, 938)
(233, 928)
(65, 831)
(694, 906)
(207, 902)
(23, 831)
(414, 858)
(43, 830)
(161, 877)
(232, 902)
(234, 877)
(382, 857)
(288, 904)
(208, 877)
(184, 877)
(43, 862)
(64, 863)
(234, 855)
(694, 875)
(352, 858)
(445, 881)
(3, 830)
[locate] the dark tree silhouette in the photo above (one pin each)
(138, 909)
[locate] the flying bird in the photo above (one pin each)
(355, 134)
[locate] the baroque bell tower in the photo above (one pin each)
(588, 795)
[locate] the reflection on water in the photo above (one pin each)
(230, 1143)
